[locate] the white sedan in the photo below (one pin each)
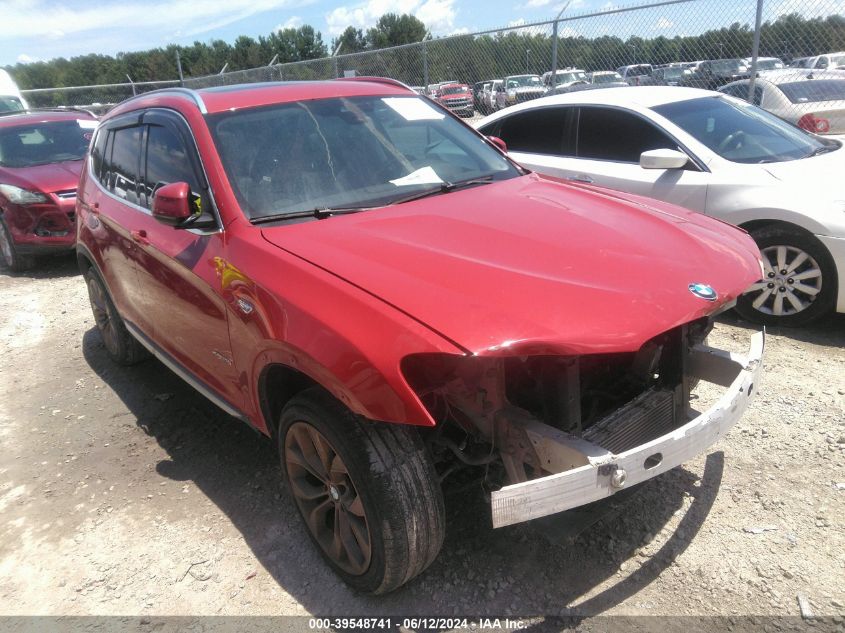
(811, 99)
(711, 153)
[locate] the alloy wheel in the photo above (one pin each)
(792, 281)
(103, 316)
(327, 498)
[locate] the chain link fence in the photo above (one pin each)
(700, 43)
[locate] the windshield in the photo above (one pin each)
(606, 78)
(673, 73)
(453, 90)
(812, 90)
(522, 81)
(45, 142)
(768, 64)
(836, 60)
(740, 132)
(729, 66)
(353, 152)
(10, 104)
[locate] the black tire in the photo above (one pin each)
(9, 255)
(824, 285)
(121, 346)
(387, 467)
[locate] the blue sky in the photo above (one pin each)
(33, 30)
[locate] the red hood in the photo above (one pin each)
(48, 178)
(533, 266)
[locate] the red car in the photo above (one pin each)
(40, 159)
(457, 98)
(363, 278)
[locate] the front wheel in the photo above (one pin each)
(11, 258)
(120, 345)
(800, 280)
(367, 492)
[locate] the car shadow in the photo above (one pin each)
(517, 570)
(828, 331)
(48, 267)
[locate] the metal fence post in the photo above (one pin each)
(554, 54)
(179, 67)
(425, 65)
(755, 50)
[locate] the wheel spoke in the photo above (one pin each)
(309, 452)
(307, 491)
(759, 301)
(812, 273)
(799, 259)
(353, 549)
(781, 257)
(337, 471)
(794, 301)
(777, 309)
(322, 450)
(807, 290)
(759, 286)
(356, 507)
(294, 456)
(316, 517)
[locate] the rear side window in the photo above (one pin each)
(125, 156)
(98, 152)
(609, 134)
(168, 161)
(540, 131)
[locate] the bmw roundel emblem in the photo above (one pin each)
(703, 291)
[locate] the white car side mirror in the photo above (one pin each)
(663, 159)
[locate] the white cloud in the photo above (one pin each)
(40, 18)
(23, 58)
(293, 22)
(664, 23)
(437, 15)
(609, 6)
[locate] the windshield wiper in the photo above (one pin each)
(445, 187)
(321, 213)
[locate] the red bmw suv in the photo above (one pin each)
(41, 156)
(363, 278)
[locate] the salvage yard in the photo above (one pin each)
(123, 491)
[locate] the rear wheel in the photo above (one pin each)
(120, 345)
(368, 492)
(11, 258)
(800, 281)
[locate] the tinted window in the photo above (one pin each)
(740, 132)
(97, 153)
(168, 161)
(810, 91)
(608, 134)
(539, 131)
(125, 157)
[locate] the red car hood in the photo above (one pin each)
(531, 266)
(48, 178)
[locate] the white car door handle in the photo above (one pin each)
(581, 178)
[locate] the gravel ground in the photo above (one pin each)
(122, 491)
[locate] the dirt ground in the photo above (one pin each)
(122, 491)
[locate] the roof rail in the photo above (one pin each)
(378, 80)
(193, 95)
(58, 109)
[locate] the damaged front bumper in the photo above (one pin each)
(604, 473)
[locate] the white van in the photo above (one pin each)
(11, 99)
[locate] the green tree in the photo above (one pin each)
(395, 30)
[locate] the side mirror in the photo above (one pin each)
(172, 204)
(663, 159)
(498, 143)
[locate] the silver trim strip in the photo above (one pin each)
(183, 373)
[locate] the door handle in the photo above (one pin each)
(581, 178)
(139, 236)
